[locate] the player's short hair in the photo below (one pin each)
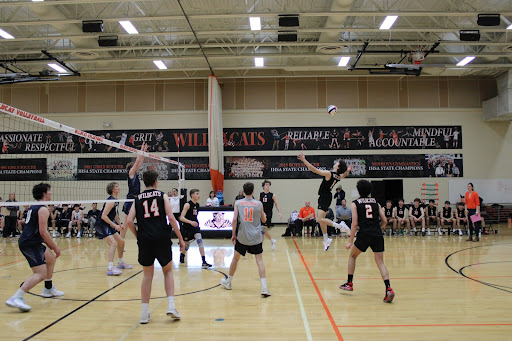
(402, 200)
(364, 187)
(389, 201)
(461, 204)
(194, 190)
(175, 189)
(110, 187)
(339, 188)
(95, 203)
(249, 187)
(431, 201)
(65, 205)
(76, 205)
(447, 202)
(39, 190)
(265, 182)
(417, 200)
(342, 167)
(129, 166)
(150, 177)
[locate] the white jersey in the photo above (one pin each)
(76, 215)
(175, 204)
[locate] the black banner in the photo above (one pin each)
(363, 166)
(240, 139)
(23, 170)
(196, 168)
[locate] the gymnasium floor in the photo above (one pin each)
(434, 300)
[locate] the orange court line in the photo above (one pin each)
(334, 326)
(394, 278)
(425, 325)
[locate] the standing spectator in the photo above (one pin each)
(339, 196)
(306, 218)
(2, 218)
(212, 200)
(240, 195)
(22, 217)
(175, 201)
(473, 206)
(11, 218)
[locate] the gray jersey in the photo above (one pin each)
(249, 215)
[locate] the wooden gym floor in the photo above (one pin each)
(446, 289)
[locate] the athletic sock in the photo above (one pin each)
(350, 278)
(19, 293)
(48, 283)
(386, 281)
(204, 259)
(325, 237)
(110, 265)
(230, 278)
(120, 261)
(145, 307)
(264, 283)
(170, 299)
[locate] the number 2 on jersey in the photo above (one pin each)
(153, 208)
(369, 211)
(248, 214)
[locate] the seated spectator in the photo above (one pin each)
(22, 217)
(306, 218)
(52, 219)
(220, 196)
(291, 224)
(77, 219)
(344, 213)
(212, 200)
(64, 219)
(93, 215)
(390, 216)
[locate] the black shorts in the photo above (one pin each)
(363, 241)
(252, 249)
(104, 230)
(148, 252)
(127, 206)
(34, 254)
(432, 219)
(188, 232)
(324, 202)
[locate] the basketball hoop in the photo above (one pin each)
(417, 55)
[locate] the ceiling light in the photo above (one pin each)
(37, 0)
(509, 27)
(5, 35)
(388, 22)
(465, 61)
(258, 61)
(159, 64)
(57, 68)
(255, 23)
(128, 27)
(343, 61)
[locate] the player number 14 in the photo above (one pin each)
(153, 208)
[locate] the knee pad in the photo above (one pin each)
(199, 239)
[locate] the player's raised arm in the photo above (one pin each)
(324, 173)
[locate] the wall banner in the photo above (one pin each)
(23, 170)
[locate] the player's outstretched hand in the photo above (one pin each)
(301, 157)
(349, 168)
(144, 147)
(57, 252)
(348, 246)
(233, 240)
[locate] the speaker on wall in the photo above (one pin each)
(107, 41)
(92, 26)
(287, 36)
(287, 20)
(488, 20)
(469, 35)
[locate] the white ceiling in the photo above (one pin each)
(222, 28)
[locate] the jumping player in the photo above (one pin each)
(338, 172)
(249, 238)
(108, 226)
(152, 208)
(190, 228)
(369, 216)
(39, 258)
(269, 199)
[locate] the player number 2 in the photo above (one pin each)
(248, 214)
(153, 208)
(369, 213)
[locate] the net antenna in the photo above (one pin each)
(44, 122)
(417, 55)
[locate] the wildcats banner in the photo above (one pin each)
(115, 169)
(364, 166)
(23, 170)
(239, 139)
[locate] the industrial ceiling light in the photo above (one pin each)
(465, 61)
(343, 61)
(57, 68)
(159, 64)
(388, 22)
(5, 35)
(128, 27)
(259, 62)
(255, 23)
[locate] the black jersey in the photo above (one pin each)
(111, 215)
(151, 217)
(388, 212)
(368, 216)
(268, 201)
(30, 234)
(431, 211)
(416, 211)
(461, 213)
(191, 213)
(447, 212)
(326, 186)
(133, 187)
(400, 211)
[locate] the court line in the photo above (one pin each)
(406, 278)
(425, 325)
(297, 291)
(327, 311)
(80, 307)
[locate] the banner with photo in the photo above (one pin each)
(363, 166)
(23, 170)
(196, 168)
(240, 139)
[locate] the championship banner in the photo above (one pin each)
(239, 139)
(363, 166)
(196, 168)
(23, 170)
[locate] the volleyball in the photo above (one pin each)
(332, 110)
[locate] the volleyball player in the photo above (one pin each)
(401, 217)
(461, 217)
(269, 199)
(369, 216)
(152, 208)
(389, 213)
(417, 215)
(133, 182)
(39, 258)
(432, 216)
(190, 228)
(338, 172)
(249, 238)
(447, 217)
(108, 227)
